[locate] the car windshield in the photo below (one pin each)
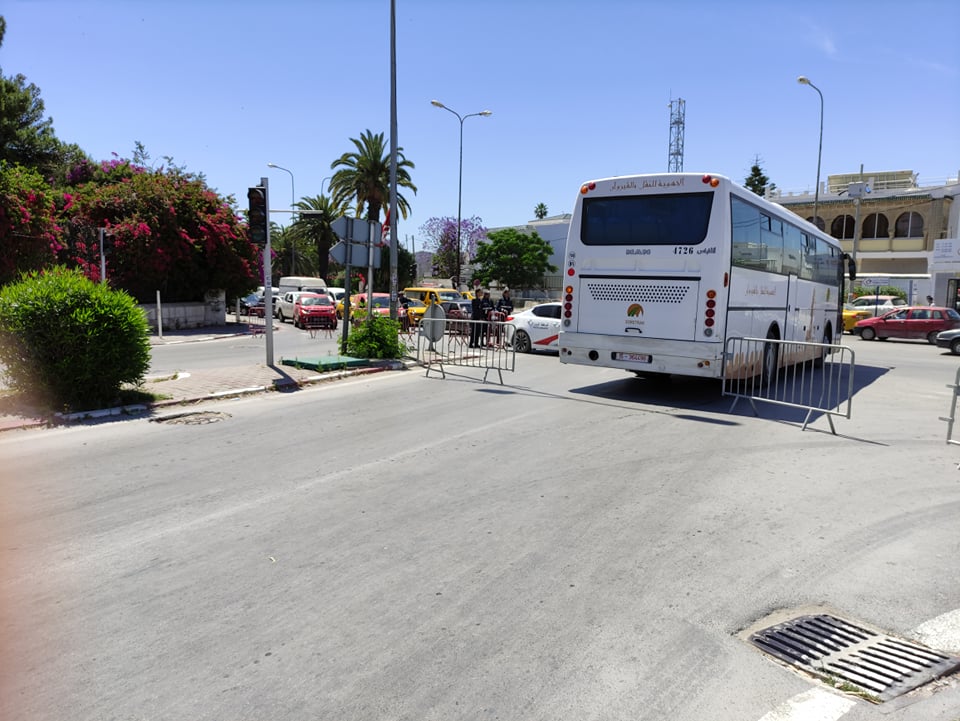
(315, 301)
(449, 295)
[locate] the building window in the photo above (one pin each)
(876, 226)
(820, 224)
(842, 227)
(909, 225)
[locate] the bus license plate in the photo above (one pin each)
(634, 357)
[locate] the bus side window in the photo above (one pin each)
(745, 234)
(809, 260)
(792, 249)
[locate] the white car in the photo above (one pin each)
(875, 304)
(536, 327)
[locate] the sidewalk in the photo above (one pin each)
(193, 387)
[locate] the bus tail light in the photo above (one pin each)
(710, 180)
(709, 313)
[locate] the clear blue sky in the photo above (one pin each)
(578, 90)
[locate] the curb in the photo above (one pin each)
(141, 408)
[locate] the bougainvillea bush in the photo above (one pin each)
(165, 231)
(28, 231)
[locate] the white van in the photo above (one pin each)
(336, 294)
(302, 282)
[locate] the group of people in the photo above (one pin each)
(481, 308)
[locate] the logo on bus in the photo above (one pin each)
(634, 310)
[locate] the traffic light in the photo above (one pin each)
(257, 216)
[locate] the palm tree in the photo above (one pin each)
(315, 227)
(364, 176)
(540, 211)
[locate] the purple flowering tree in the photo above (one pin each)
(440, 238)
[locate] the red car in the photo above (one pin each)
(919, 322)
(313, 310)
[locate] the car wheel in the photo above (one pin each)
(868, 333)
(955, 346)
(521, 342)
(932, 337)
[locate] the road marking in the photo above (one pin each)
(813, 705)
(941, 633)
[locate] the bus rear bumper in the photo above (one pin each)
(704, 360)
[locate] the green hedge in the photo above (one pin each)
(71, 343)
(376, 337)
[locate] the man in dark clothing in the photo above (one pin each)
(486, 305)
(505, 304)
(404, 305)
(477, 314)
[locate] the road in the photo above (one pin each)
(574, 544)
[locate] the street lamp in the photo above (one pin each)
(293, 202)
(461, 118)
(804, 80)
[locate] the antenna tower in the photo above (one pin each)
(675, 154)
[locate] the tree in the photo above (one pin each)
(27, 223)
(514, 259)
(167, 230)
(26, 135)
(757, 181)
(540, 211)
(364, 176)
(315, 227)
(440, 237)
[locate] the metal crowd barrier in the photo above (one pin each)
(951, 419)
(801, 379)
(469, 343)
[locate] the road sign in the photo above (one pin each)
(356, 229)
(358, 254)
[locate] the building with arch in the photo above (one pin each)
(904, 229)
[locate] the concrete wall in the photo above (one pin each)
(177, 316)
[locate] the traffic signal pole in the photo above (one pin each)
(258, 220)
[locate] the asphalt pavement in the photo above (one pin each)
(193, 387)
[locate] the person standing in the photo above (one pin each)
(477, 314)
(505, 304)
(486, 306)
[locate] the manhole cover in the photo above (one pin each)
(852, 657)
(193, 418)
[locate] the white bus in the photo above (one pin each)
(660, 270)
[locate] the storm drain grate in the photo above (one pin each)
(842, 652)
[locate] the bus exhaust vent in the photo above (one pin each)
(638, 292)
(853, 658)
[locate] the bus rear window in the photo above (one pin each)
(672, 219)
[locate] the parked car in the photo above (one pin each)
(918, 322)
(250, 300)
(283, 308)
(457, 309)
(536, 327)
(380, 301)
(314, 310)
(850, 318)
(949, 339)
(416, 309)
(874, 305)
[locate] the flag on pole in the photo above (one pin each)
(385, 230)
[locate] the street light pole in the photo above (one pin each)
(482, 113)
(804, 80)
(293, 202)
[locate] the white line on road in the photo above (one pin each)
(813, 705)
(941, 633)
